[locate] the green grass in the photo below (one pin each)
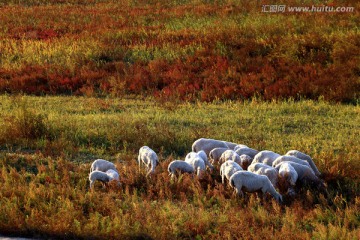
(48, 143)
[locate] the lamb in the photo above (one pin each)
(207, 145)
(245, 161)
(200, 154)
(102, 165)
(197, 163)
(289, 174)
(266, 157)
(98, 175)
(251, 182)
(149, 158)
(231, 145)
(239, 146)
(228, 168)
(263, 169)
(215, 154)
(229, 155)
(290, 159)
(306, 175)
(248, 151)
(306, 157)
(113, 175)
(104, 177)
(179, 166)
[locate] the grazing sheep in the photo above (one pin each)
(207, 145)
(215, 154)
(289, 174)
(179, 166)
(114, 175)
(239, 146)
(98, 175)
(290, 159)
(229, 155)
(102, 165)
(248, 151)
(228, 168)
(263, 169)
(306, 175)
(149, 158)
(200, 154)
(306, 157)
(245, 161)
(251, 182)
(199, 166)
(231, 145)
(266, 157)
(104, 177)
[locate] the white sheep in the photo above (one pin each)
(207, 145)
(149, 158)
(104, 177)
(100, 176)
(231, 145)
(264, 169)
(306, 157)
(102, 165)
(245, 161)
(179, 166)
(200, 154)
(306, 175)
(215, 154)
(239, 146)
(290, 159)
(289, 174)
(228, 168)
(251, 182)
(248, 151)
(114, 175)
(229, 155)
(266, 157)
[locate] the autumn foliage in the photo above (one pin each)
(187, 50)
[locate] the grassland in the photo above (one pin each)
(179, 50)
(106, 77)
(48, 144)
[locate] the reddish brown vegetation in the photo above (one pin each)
(322, 63)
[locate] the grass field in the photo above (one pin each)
(179, 50)
(88, 79)
(49, 142)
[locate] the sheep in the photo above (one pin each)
(248, 151)
(215, 154)
(149, 158)
(207, 145)
(289, 174)
(114, 175)
(200, 154)
(264, 169)
(239, 146)
(266, 157)
(306, 157)
(197, 162)
(245, 161)
(179, 166)
(251, 182)
(104, 177)
(229, 155)
(306, 175)
(290, 159)
(98, 175)
(231, 145)
(102, 165)
(228, 168)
